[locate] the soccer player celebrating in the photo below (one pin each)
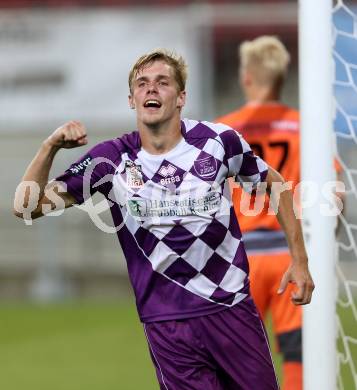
(272, 130)
(167, 190)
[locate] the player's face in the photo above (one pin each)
(155, 94)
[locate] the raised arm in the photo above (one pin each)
(34, 191)
(298, 271)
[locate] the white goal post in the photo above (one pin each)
(316, 105)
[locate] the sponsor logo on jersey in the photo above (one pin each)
(137, 207)
(206, 167)
(81, 167)
(170, 180)
(174, 207)
(168, 172)
(134, 176)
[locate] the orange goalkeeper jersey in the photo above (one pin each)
(272, 130)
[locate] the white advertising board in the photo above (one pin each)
(62, 65)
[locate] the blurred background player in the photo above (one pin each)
(272, 130)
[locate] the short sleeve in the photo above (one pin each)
(92, 172)
(243, 165)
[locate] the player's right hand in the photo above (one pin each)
(70, 135)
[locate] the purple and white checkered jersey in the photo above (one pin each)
(175, 220)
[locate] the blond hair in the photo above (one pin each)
(176, 62)
(266, 58)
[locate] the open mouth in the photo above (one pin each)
(152, 103)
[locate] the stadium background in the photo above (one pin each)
(67, 316)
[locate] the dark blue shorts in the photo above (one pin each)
(227, 350)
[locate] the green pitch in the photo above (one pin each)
(74, 346)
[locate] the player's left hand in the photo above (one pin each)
(298, 273)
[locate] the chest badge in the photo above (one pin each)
(206, 167)
(134, 176)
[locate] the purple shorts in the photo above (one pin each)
(227, 350)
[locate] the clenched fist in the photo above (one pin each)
(70, 135)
